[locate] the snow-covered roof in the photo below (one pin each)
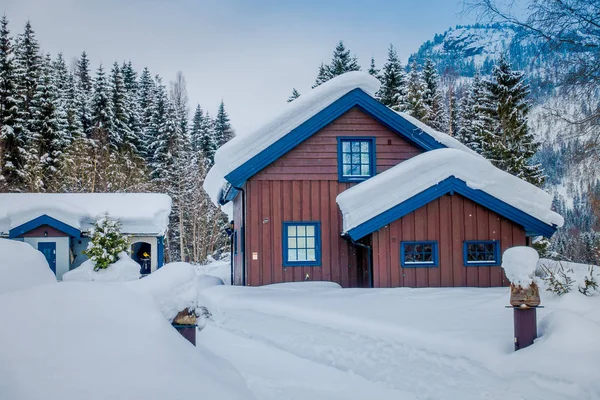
(384, 191)
(139, 213)
(244, 147)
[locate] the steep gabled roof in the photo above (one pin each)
(384, 198)
(246, 155)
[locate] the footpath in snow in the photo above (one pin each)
(318, 341)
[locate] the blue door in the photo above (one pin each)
(48, 249)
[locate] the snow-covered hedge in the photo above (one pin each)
(22, 266)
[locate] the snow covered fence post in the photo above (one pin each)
(519, 264)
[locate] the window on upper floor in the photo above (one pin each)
(356, 158)
(301, 244)
(481, 253)
(419, 254)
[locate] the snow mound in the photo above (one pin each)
(174, 287)
(399, 183)
(138, 213)
(519, 264)
(102, 341)
(206, 281)
(243, 147)
(217, 268)
(22, 266)
(125, 269)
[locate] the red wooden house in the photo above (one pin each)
(341, 188)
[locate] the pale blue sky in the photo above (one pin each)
(250, 53)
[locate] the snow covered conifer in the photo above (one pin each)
(435, 114)
(106, 243)
(342, 61)
(10, 138)
(202, 136)
(295, 94)
(102, 125)
(120, 114)
(511, 146)
(373, 70)
(83, 92)
(146, 101)
(415, 87)
(130, 84)
(323, 76)
(223, 130)
(393, 81)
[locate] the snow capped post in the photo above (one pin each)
(519, 264)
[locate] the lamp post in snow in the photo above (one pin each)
(519, 264)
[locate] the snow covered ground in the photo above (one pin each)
(315, 340)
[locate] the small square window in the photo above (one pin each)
(302, 244)
(481, 253)
(356, 158)
(419, 254)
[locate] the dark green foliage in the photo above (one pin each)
(222, 126)
(415, 87)
(393, 82)
(293, 96)
(341, 62)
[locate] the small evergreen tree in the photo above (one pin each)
(341, 62)
(293, 96)
(415, 87)
(83, 93)
(323, 76)
(393, 81)
(106, 243)
(435, 114)
(373, 69)
(146, 100)
(223, 130)
(102, 126)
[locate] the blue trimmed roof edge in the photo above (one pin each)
(44, 220)
(355, 98)
(532, 225)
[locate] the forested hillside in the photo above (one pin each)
(72, 127)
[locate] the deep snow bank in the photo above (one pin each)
(22, 266)
(101, 341)
(125, 269)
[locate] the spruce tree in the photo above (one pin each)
(341, 62)
(101, 111)
(393, 81)
(134, 128)
(323, 76)
(49, 136)
(146, 101)
(11, 141)
(453, 110)
(119, 133)
(223, 130)
(415, 87)
(83, 87)
(373, 69)
(435, 114)
(511, 146)
(106, 243)
(472, 121)
(295, 94)
(202, 136)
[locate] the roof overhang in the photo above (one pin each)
(44, 220)
(532, 225)
(355, 98)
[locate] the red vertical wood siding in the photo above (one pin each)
(44, 229)
(302, 185)
(449, 220)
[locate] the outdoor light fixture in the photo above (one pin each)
(45, 233)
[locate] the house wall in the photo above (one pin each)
(450, 220)
(238, 259)
(62, 251)
(44, 231)
(78, 245)
(152, 240)
(302, 186)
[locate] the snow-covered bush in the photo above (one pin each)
(558, 281)
(561, 277)
(590, 283)
(106, 243)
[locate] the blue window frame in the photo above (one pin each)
(419, 254)
(356, 158)
(301, 244)
(479, 253)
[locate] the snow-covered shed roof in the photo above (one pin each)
(139, 213)
(247, 154)
(413, 183)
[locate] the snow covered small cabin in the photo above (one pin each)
(339, 187)
(58, 224)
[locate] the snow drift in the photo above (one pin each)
(22, 266)
(124, 269)
(101, 341)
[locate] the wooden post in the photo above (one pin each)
(185, 323)
(525, 319)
